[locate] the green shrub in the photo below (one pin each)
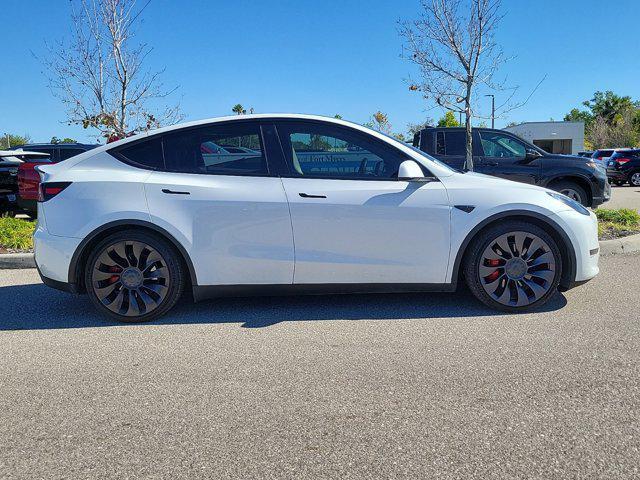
(624, 217)
(15, 233)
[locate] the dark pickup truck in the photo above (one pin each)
(503, 154)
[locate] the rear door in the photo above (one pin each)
(228, 210)
(505, 156)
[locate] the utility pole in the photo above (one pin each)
(493, 110)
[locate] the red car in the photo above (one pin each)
(28, 178)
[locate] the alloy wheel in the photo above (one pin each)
(130, 278)
(572, 194)
(635, 179)
(517, 269)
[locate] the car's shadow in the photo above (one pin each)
(35, 306)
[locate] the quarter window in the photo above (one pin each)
(217, 150)
(315, 150)
(146, 153)
(501, 146)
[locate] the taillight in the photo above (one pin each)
(28, 181)
(49, 190)
(622, 160)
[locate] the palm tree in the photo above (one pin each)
(239, 109)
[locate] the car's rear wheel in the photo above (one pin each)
(634, 179)
(134, 276)
(513, 266)
(573, 191)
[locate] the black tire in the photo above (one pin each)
(634, 179)
(159, 283)
(474, 264)
(572, 190)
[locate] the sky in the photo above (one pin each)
(324, 57)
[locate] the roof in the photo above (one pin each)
(255, 116)
(544, 123)
(69, 144)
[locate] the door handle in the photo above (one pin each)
(306, 195)
(490, 164)
(173, 192)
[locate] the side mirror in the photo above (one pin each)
(532, 154)
(410, 171)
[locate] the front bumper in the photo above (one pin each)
(582, 231)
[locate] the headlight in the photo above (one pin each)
(567, 201)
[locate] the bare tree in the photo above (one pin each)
(453, 45)
(99, 73)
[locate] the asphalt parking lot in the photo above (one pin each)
(624, 197)
(375, 386)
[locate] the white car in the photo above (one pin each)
(314, 205)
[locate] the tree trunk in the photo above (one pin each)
(469, 159)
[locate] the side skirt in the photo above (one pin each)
(203, 292)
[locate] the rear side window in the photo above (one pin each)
(232, 149)
(69, 152)
(146, 153)
(451, 143)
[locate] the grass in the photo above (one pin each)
(617, 223)
(15, 234)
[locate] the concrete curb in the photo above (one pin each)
(628, 244)
(17, 260)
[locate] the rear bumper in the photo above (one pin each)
(63, 286)
(616, 175)
(53, 255)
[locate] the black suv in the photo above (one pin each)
(503, 154)
(624, 166)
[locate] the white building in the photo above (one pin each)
(553, 137)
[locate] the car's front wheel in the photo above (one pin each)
(134, 276)
(573, 191)
(513, 266)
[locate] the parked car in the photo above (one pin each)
(503, 154)
(10, 162)
(604, 154)
(136, 222)
(624, 167)
(28, 179)
(586, 154)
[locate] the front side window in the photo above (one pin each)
(316, 150)
(501, 146)
(224, 149)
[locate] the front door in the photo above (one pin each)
(353, 221)
(505, 156)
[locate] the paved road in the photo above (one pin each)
(624, 197)
(422, 386)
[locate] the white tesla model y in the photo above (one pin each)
(272, 204)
